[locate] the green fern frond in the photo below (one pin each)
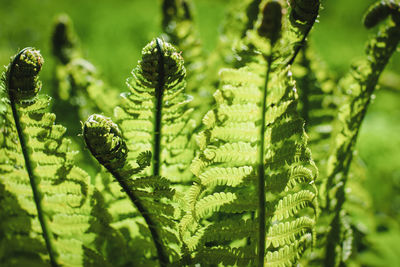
(288, 232)
(356, 89)
(287, 255)
(291, 204)
(290, 195)
(78, 82)
(179, 28)
(155, 116)
(212, 203)
(218, 231)
(150, 198)
(225, 255)
(53, 208)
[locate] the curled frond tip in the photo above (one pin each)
(22, 75)
(104, 140)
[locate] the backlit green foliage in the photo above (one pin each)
(241, 158)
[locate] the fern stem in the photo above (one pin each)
(159, 99)
(300, 45)
(47, 234)
(305, 94)
(162, 257)
(261, 173)
(379, 53)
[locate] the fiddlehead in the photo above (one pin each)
(65, 43)
(379, 11)
(22, 78)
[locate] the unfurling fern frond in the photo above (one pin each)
(179, 27)
(47, 202)
(357, 89)
(380, 11)
(65, 43)
(154, 115)
(78, 82)
(104, 140)
(157, 128)
(254, 172)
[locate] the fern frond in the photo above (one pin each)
(226, 256)
(286, 233)
(287, 255)
(104, 140)
(293, 203)
(155, 116)
(53, 210)
(212, 203)
(78, 82)
(356, 88)
(232, 158)
(179, 28)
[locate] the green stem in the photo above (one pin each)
(162, 257)
(47, 235)
(157, 118)
(378, 57)
(305, 90)
(261, 173)
(302, 42)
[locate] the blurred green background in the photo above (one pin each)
(113, 33)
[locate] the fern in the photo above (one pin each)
(179, 28)
(46, 200)
(230, 145)
(163, 92)
(154, 114)
(357, 88)
(238, 187)
(78, 82)
(103, 139)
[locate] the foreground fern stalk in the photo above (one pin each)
(271, 28)
(357, 88)
(158, 107)
(22, 84)
(104, 140)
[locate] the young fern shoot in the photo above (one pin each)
(154, 115)
(226, 197)
(154, 120)
(104, 140)
(357, 88)
(22, 83)
(53, 213)
(270, 28)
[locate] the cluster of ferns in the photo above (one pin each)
(236, 158)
